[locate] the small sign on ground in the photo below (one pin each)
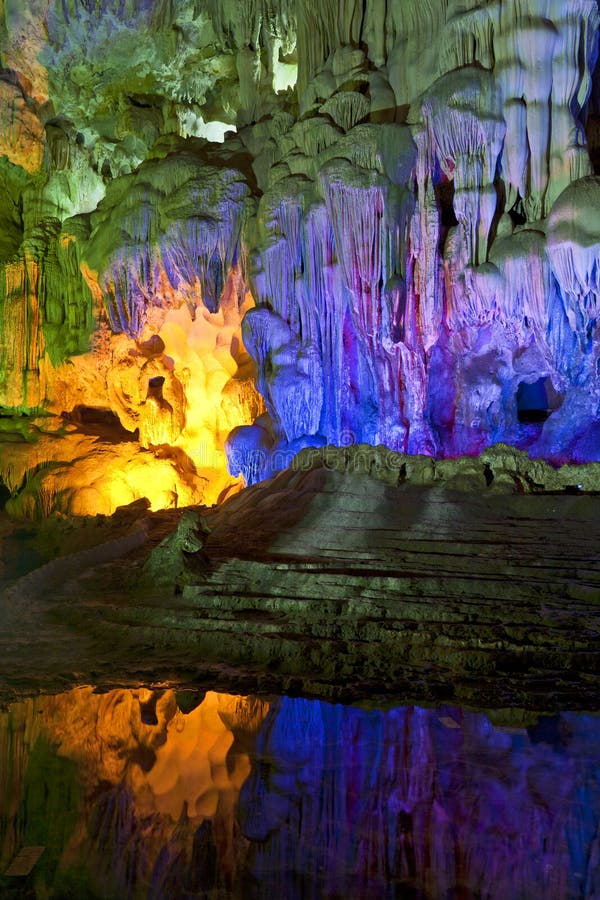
(24, 861)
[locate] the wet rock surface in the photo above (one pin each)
(326, 582)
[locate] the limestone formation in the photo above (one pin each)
(167, 562)
(340, 222)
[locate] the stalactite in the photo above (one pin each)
(543, 95)
(323, 312)
(415, 220)
(424, 248)
(465, 133)
(574, 250)
(179, 217)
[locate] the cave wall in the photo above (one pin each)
(241, 229)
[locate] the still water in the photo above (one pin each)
(141, 794)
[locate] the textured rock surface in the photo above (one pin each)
(352, 575)
(396, 199)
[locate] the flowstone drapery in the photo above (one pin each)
(398, 200)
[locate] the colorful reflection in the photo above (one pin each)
(132, 796)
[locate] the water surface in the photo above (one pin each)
(152, 794)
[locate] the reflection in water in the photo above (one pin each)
(237, 798)
(131, 796)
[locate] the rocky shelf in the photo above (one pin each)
(340, 578)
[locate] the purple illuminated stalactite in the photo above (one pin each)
(359, 205)
(417, 288)
(334, 335)
(191, 235)
(425, 239)
(322, 313)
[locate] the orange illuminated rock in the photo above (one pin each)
(178, 391)
(92, 467)
(27, 34)
(175, 763)
(22, 133)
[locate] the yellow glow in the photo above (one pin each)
(178, 769)
(179, 392)
(192, 769)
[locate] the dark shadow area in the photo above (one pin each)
(592, 122)
(4, 495)
(155, 387)
(537, 400)
(101, 421)
(517, 214)
(592, 132)
(444, 195)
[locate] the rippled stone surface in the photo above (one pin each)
(342, 579)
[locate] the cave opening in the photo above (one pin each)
(537, 400)
(99, 420)
(444, 195)
(155, 387)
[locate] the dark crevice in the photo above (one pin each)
(517, 213)
(537, 400)
(4, 495)
(99, 421)
(592, 132)
(444, 195)
(155, 387)
(139, 103)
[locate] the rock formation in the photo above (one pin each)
(234, 231)
(356, 572)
